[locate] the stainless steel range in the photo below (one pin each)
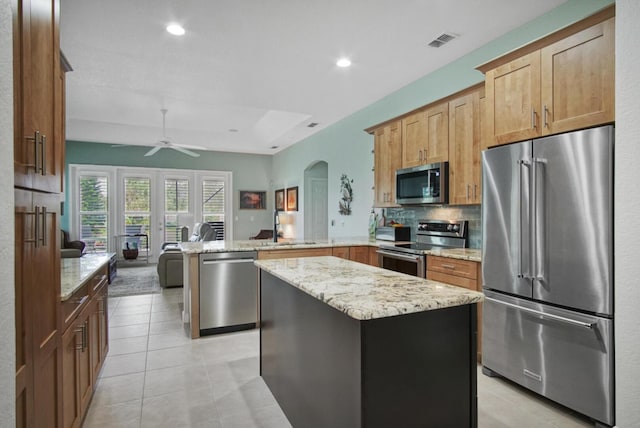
(431, 234)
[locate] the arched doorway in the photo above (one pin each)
(316, 222)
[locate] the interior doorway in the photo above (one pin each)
(316, 222)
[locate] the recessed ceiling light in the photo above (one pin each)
(343, 62)
(233, 130)
(175, 29)
(274, 147)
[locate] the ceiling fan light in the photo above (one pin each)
(175, 29)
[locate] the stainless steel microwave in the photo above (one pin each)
(424, 184)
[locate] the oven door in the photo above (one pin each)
(411, 264)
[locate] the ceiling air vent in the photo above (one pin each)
(312, 124)
(441, 40)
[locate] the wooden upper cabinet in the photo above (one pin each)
(414, 138)
(437, 118)
(38, 162)
(562, 82)
(464, 149)
(425, 136)
(513, 100)
(578, 80)
(388, 149)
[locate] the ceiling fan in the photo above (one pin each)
(165, 142)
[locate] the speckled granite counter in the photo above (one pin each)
(75, 271)
(268, 245)
(366, 292)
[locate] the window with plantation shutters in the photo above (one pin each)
(213, 205)
(94, 211)
(137, 209)
(176, 202)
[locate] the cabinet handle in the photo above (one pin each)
(44, 226)
(546, 111)
(452, 267)
(84, 336)
(475, 188)
(468, 187)
(36, 141)
(36, 222)
(425, 155)
(420, 156)
(81, 331)
(533, 118)
(43, 155)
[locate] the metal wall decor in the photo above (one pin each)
(346, 195)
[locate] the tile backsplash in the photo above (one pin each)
(409, 216)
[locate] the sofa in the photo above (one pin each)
(69, 248)
(170, 266)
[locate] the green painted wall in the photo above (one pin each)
(347, 149)
(250, 172)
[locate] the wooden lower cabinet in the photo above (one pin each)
(461, 273)
(342, 252)
(373, 256)
(84, 348)
(303, 252)
(359, 254)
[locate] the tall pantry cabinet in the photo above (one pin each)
(38, 166)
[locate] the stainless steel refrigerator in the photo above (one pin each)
(547, 268)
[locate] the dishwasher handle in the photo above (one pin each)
(222, 261)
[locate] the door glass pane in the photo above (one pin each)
(137, 213)
(176, 202)
(94, 205)
(213, 205)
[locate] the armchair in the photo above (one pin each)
(170, 260)
(69, 248)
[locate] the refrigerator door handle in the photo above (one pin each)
(538, 225)
(587, 325)
(527, 164)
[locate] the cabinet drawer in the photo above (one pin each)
(342, 252)
(306, 252)
(74, 304)
(455, 267)
(98, 281)
(459, 281)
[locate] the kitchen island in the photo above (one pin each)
(343, 344)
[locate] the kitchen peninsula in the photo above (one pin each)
(346, 344)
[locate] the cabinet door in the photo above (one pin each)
(414, 139)
(342, 252)
(388, 149)
(373, 256)
(24, 230)
(437, 133)
(103, 319)
(464, 150)
(359, 254)
(37, 149)
(513, 100)
(71, 344)
(578, 80)
(85, 366)
(43, 267)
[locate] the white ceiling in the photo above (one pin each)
(264, 68)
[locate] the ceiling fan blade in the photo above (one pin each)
(185, 151)
(189, 146)
(121, 145)
(153, 151)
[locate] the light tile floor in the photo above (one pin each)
(154, 376)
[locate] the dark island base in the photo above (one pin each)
(326, 369)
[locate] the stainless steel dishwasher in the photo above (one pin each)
(228, 292)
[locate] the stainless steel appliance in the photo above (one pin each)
(424, 184)
(547, 268)
(389, 233)
(411, 258)
(228, 292)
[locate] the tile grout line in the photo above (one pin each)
(146, 359)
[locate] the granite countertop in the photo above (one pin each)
(75, 272)
(269, 245)
(366, 292)
(288, 244)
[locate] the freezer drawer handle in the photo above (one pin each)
(532, 375)
(587, 325)
(215, 262)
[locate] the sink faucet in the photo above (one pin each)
(276, 222)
